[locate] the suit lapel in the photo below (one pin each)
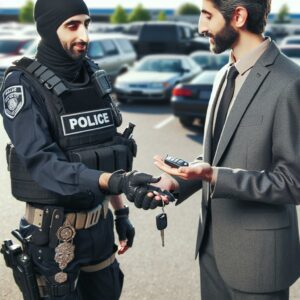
(244, 98)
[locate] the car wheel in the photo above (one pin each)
(186, 121)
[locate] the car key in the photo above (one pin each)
(161, 224)
(175, 162)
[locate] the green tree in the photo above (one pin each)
(139, 14)
(26, 12)
(119, 16)
(283, 14)
(162, 16)
(188, 9)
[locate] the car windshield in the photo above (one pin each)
(9, 46)
(160, 65)
(205, 77)
(290, 52)
(31, 50)
(222, 59)
(202, 60)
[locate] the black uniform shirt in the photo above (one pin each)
(25, 122)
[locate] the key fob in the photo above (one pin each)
(161, 221)
(175, 162)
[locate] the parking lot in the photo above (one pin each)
(152, 272)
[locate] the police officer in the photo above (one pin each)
(62, 123)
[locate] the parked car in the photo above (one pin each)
(190, 100)
(292, 51)
(209, 61)
(14, 45)
(291, 40)
(113, 52)
(154, 77)
(168, 37)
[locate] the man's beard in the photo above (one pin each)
(224, 39)
(76, 55)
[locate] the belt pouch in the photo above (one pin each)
(40, 235)
(57, 220)
(122, 159)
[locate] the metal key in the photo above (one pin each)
(161, 224)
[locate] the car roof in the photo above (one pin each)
(201, 52)
(106, 36)
(290, 46)
(17, 38)
(164, 23)
(180, 56)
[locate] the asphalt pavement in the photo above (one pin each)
(151, 271)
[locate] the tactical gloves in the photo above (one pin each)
(136, 185)
(124, 227)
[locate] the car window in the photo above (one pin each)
(293, 41)
(188, 32)
(221, 59)
(202, 60)
(27, 44)
(205, 78)
(186, 65)
(109, 47)
(158, 33)
(181, 33)
(125, 46)
(160, 65)
(7, 46)
(291, 52)
(95, 50)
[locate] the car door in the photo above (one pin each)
(112, 58)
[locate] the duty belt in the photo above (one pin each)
(80, 220)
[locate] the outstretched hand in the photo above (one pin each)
(201, 170)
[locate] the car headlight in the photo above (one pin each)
(159, 85)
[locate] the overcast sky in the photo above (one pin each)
(294, 5)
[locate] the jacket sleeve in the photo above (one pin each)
(281, 183)
(28, 130)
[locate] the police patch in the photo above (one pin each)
(87, 121)
(13, 100)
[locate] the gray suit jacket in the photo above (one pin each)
(254, 221)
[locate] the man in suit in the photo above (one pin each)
(247, 240)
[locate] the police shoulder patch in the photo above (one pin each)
(13, 100)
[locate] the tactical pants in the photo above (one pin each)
(92, 246)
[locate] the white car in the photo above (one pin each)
(154, 77)
(291, 40)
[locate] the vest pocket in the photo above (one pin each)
(105, 158)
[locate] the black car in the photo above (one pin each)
(168, 38)
(190, 100)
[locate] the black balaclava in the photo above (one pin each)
(49, 15)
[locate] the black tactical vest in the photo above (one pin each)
(82, 120)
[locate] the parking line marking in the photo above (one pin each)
(164, 122)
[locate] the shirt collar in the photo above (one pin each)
(249, 60)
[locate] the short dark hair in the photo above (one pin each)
(258, 11)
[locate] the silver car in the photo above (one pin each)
(113, 52)
(154, 77)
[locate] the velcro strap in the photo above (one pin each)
(100, 266)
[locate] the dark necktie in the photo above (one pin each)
(223, 107)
